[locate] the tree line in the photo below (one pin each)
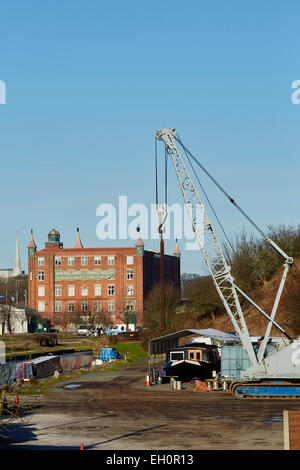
(253, 263)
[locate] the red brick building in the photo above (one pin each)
(105, 282)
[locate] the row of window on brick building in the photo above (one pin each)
(85, 290)
(84, 306)
(70, 260)
(129, 275)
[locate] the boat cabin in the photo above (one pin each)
(192, 361)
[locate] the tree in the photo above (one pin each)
(254, 261)
(152, 308)
(15, 288)
(7, 317)
(203, 298)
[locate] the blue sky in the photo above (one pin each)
(89, 82)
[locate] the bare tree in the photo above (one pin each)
(7, 317)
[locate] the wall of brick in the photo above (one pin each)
(57, 272)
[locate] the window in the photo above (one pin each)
(57, 261)
(97, 260)
(71, 261)
(111, 289)
(41, 291)
(57, 291)
(71, 306)
(129, 274)
(111, 260)
(111, 306)
(97, 305)
(191, 355)
(71, 291)
(41, 261)
(84, 291)
(84, 305)
(84, 261)
(97, 289)
(30, 276)
(129, 290)
(41, 306)
(129, 259)
(41, 275)
(57, 306)
(198, 356)
(204, 356)
(176, 356)
(130, 306)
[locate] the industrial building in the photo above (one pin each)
(109, 282)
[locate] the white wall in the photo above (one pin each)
(19, 322)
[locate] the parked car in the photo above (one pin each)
(83, 331)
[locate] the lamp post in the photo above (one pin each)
(17, 290)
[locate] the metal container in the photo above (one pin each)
(179, 385)
(234, 360)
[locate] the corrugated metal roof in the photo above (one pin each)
(42, 359)
(163, 344)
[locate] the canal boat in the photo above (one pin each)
(192, 361)
(39, 367)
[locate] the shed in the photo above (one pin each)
(163, 344)
(158, 347)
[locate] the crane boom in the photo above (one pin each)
(209, 244)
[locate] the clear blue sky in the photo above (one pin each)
(89, 83)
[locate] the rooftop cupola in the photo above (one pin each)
(54, 239)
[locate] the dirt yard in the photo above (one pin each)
(115, 410)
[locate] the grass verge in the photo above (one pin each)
(132, 353)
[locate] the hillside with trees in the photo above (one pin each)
(257, 269)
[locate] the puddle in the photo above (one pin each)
(72, 386)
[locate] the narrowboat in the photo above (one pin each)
(39, 367)
(192, 361)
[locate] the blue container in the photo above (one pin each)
(234, 360)
(109, 354)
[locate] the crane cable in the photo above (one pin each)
(156, 176)
(221, 189)
(156, 182)
(208, 200)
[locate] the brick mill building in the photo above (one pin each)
(107, 283)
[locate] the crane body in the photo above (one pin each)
(278, 372)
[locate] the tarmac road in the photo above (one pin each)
(115, 410)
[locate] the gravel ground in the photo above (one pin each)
(116, 411)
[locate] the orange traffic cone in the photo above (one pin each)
(147, 380)
(82, 447)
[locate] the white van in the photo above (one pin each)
(120, 328)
